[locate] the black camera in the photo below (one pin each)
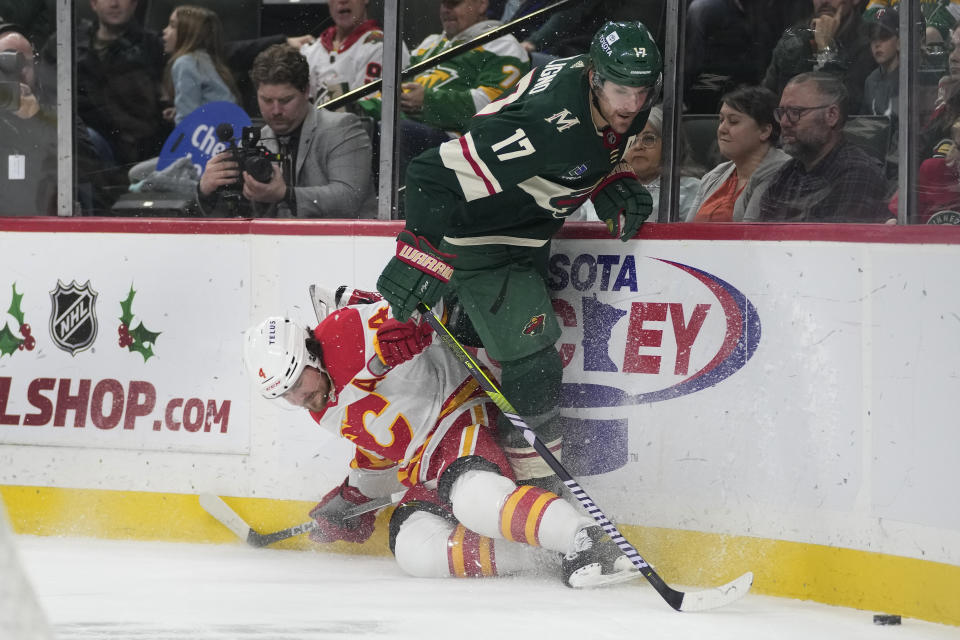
(250, 156)
(11, 66)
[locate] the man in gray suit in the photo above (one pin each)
(325, 157)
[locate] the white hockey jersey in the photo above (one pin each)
(397, 420)
(355, 62)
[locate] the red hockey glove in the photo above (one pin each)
(397, 342)
(329, 516)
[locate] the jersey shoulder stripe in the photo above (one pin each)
(475, 177)
(497, 105)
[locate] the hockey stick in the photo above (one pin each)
(679, 600)
(216, 507)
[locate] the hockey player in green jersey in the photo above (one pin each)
(482, 208)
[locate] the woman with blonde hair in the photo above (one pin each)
(197, 72)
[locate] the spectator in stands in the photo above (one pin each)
(938, 185)
(119, 78)
(936, 130)
(568, 32)
(728, 43)
(940, 15)
(119, 73)
(881, 89)
(348, 54)
(37, 18)
(28, 136)
(832, 41)
(645, 157)
(196, 72)
(747, 136)
(937, 18)
(828, 179)
(439, 103)
(325, 156)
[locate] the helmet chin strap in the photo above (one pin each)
(332, 392)
(314, 361)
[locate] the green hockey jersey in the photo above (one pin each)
(456, 89)
(529, 160)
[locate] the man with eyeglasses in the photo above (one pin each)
(832, 40)
(828, 179)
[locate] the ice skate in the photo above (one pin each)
(595, 561)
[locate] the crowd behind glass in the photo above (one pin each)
(789, 107)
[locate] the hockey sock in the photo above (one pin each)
(494, 506)
(533, 386)
(429, 546)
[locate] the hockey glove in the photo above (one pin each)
(396, 342)
(623, 203)
(418, 273)
(329, 516)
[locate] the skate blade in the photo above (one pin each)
(591, 575)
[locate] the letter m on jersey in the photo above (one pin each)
(563, 120)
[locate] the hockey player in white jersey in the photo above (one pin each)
(427, 426)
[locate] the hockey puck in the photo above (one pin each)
(885, 619)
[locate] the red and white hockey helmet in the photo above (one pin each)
(275, 354)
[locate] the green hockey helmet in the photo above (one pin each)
(627, 54)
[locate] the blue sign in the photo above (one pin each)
(196, 135)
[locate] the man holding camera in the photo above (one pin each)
(28, 133)
(323, 159)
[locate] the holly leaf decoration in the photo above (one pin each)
(141, 338)
(127, 307)
(146, 350)
(8, 341)
(142, 334)
(14, 309)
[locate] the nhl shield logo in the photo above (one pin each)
(73, 319)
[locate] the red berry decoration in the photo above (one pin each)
(25, 330)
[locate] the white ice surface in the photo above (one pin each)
(110, 590)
